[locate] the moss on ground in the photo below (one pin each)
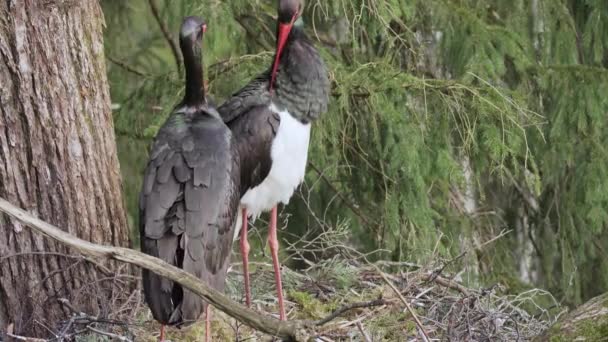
(587, 323)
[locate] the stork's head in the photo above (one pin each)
(288, 13)
(191, 43)
(192, 31)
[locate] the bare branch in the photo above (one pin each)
(350, 205)
(108, 334)
(425, 336)
(363, 332)
(292, 331)
(167, 35)
(26, 339)
(446, 283)
(126, 66)
(352, 306)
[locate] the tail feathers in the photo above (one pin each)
(169, 302)
(191, 307)
(177, 307)
(159, 301)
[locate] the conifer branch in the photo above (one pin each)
(167, 35)
(126, 67)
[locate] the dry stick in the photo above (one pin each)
(425, 336)
(351, 206)
(26, 339)
(363, 332)
(446, 282)
(436, 273)
(165, 30)
(126, 67)
(108, 334)
(348, 307)
(294, 330)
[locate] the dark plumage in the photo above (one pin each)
(301, 87)
(190, 194)
(270, 119)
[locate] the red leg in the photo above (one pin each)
(273, 242)
(162, 333)
(245, 255)
(208, 323)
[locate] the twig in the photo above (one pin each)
(342, 197)
(363, 332)
(27, 339)
(446, 283)
(66, 303)
(252, 34)
(108, 334)
(348, 307)
(167, 35)
(126, 67)
(66, 328)
(293, 330)
(397, 264)
(437, 272)
(425, 336)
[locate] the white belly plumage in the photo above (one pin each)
(289, 153)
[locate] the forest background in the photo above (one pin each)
(452, 123)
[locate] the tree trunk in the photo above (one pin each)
(589, 322)
(57, 159)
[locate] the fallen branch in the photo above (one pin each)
(291, 331)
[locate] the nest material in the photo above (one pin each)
(348, 301)
(446, 309)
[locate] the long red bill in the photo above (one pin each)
(284, 30)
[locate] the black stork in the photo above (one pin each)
(190, 196)
(271, 119)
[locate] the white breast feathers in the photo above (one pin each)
(289, 154)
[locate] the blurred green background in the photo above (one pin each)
(451, 122)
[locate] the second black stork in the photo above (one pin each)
(190, 195)
(271, 120)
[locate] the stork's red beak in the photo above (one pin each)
(204, 28)
(284, 30)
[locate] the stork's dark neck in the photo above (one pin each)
(195, 88)
(302, 83)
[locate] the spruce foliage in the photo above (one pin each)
(450, 121)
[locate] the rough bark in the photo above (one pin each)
(57, 157)
(589, 322)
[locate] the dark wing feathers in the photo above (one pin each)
(181, 171)
(254, 127)
(254, 94)
(188, 208)
(254, 131)
(202, 175)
